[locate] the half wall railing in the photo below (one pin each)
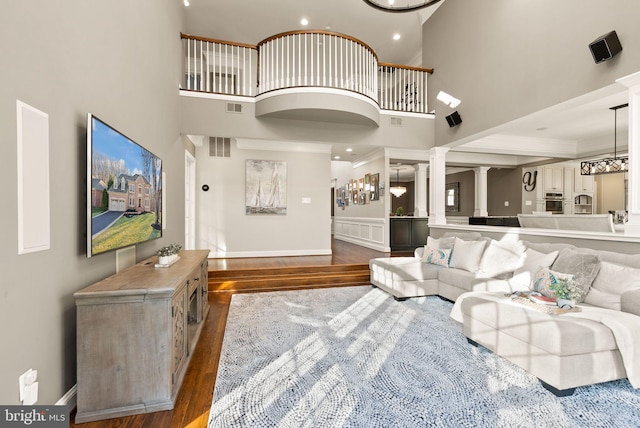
(297, 59)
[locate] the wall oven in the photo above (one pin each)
(553, 203)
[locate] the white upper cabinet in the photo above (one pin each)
(553, 178)
(582, 183)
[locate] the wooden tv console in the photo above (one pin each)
(136, 331)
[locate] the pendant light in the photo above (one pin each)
(608, 165)
(402, 6)
(398, 190)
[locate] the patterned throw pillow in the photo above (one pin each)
(437, 256)
(584, 266)
(545, 278)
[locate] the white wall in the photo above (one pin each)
(227, 231)
(505, 59)
(68, 58)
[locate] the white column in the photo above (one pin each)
(481, 191)
(632, 227)
(420, 191)
(437, 177)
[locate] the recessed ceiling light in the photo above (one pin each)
(304, 21)
(349, 149)
(396, 36)
(391, 2)
(186, 2)
(336, 157)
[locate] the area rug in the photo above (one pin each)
(355, 357)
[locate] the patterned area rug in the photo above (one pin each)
(354, 357)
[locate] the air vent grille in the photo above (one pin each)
(220, 147)
(234, 108)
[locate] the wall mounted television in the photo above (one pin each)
(124, 190)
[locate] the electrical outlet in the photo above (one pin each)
(506, 203)
(28, 387)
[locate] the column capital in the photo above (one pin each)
(421, 166)
(438, 151)
(481, 169)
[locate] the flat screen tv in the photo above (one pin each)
(124, 190)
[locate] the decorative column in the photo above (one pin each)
(437, 181)
(420, 191)
(481, 191)
(632, 227)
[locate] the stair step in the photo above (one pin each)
(271, 279)
(300, 270)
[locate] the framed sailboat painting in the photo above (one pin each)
(266, 187)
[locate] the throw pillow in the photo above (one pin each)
(437, 256)
(611, 282)
(546, 278)
(440, 242)
(501, 258)
(465, 236)
(467, 254)
(532, 261)
(583, 265)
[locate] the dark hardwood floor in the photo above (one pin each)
(196, 394)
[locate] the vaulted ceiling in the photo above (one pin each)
(576, 129)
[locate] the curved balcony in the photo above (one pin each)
(317, 61)
(311, 75)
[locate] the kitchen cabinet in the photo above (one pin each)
(582, 183)
(553, 178)
(583, 204)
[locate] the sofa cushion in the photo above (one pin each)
(612, 281)
(405, 268)
(546, 247)
(557, 334)
(465, 236)
(545, 279)
(584, 266)
(435, 256)
(500, 259)
(532, 261)
(441, 243)
(469, 281)
(467, 254)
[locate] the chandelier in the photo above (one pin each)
(398, 190)
(608, 165)
(400, 5)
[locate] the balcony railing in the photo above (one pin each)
(219, 67)
(318, 59)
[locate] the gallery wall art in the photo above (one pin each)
(266, 187)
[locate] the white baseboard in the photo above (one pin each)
(70, 398)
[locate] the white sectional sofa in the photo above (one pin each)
(597, 342)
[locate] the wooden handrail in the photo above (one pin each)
(406, 67)
(224, 42)
(321, 32)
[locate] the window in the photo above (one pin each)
(452, 197)
(132, 188)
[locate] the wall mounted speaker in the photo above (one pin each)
(605, 47)
(454, 119)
